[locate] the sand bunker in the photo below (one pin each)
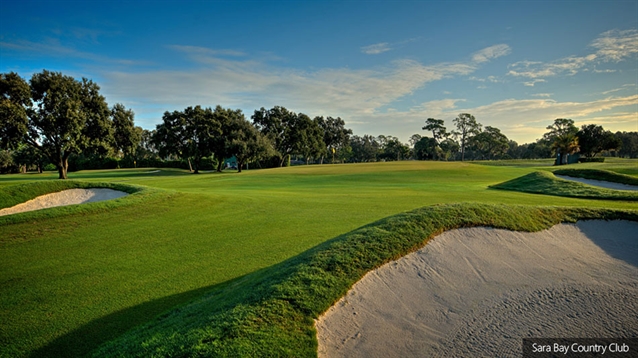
(62, 198)
(477, 292)
(600, 183)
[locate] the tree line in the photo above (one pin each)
(470, 140)
(57, 122)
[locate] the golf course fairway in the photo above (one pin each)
(187, 259)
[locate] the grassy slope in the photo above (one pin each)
(598, 174)
(73, 282)
(542, 182)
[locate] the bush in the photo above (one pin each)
(82, 162)
(591, 160)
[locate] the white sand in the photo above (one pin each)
(477, 292)
(600, 183)
(62, 198)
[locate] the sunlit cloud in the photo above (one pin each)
(523, 120)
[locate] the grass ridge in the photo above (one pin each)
(599, 174)
(544, 182)
(271, 312)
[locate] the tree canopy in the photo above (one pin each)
(15, 100)
(63, 116)
(127, 137)
(467, 127)
(594, 139)
(189, 134)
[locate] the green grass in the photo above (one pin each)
(548, 162)
(542, 182)
(75, 279)
(599, 174)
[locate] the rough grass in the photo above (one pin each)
(542, 182)
(270, 313)
(598, 174)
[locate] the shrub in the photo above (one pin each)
(591, 160)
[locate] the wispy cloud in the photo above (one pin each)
(490, 53)
(533, 82)
(543, 95)
(54, 48)
(376, 48)
(437, 107)
(490, 79)
(624, 87)
(611, 46)
(245, 83)
(197, 50)
(616, 45)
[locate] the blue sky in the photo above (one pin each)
(384, 67)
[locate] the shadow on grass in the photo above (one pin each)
(206, 301)
(82, 341)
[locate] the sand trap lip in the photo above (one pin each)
(600, 183)
(478, 291)
(63, 198)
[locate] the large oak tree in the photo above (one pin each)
(63, 116)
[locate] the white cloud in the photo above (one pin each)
(376, 48)
(532, 83)
(490, 53)
(614, 45)
(545, 95)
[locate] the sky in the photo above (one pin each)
(383, 67)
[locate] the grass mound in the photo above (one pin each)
(542, 182)
(271, 312)
(16, 194)
(598, 174)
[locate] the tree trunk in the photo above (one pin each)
(196, 162)
(62, 170)
(219, 166)
(239, 165)
(281, 164)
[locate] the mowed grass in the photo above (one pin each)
(72, 282)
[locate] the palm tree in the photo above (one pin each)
(565, 144)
